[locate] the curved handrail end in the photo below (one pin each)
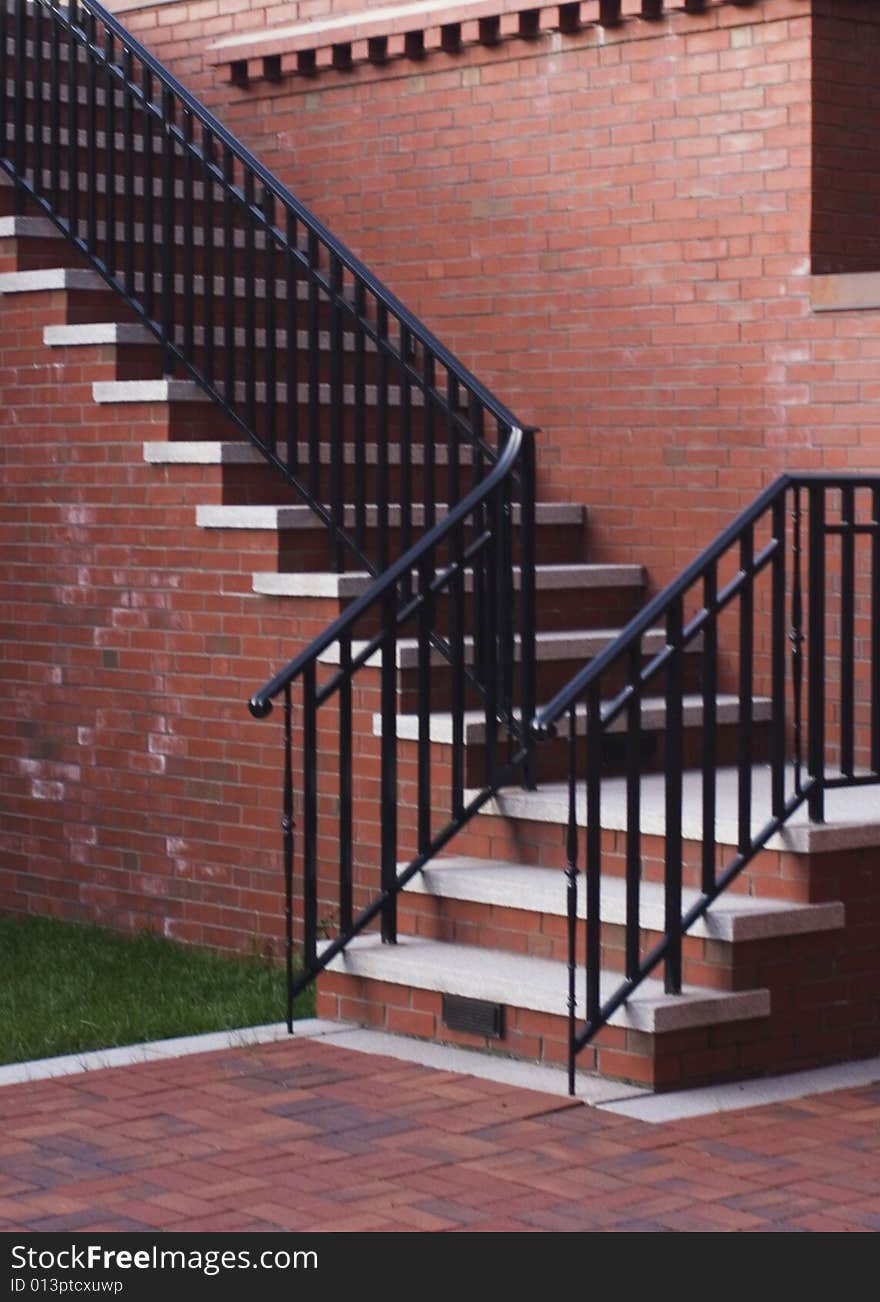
(260, 707)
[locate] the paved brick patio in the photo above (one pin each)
(302, 1135)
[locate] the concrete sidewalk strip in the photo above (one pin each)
(613, 1096)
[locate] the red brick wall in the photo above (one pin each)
(846, 142)
(136, 789)
(612, 229)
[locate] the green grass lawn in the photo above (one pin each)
(66, 988)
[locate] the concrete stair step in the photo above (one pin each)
(732, 918)
(561, 578)
(31, 282)
(653, 720)
(578, 644)
(852, 817)
(208, 453)
(537, 984)
(130, 391)
(20, 282)
(300, 517)
(111, 332)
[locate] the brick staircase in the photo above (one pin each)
(781, 973)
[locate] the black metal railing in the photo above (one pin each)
(359, 407)
(795, 578)
(353, 401)
(454, 593)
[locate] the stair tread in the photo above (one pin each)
(279, 517)
(733, 917)
(175, 453)
(653, 717)
(576, 575)
(125, 391)
(556, 644)
(112, 332)
(25, 282)
(852, 816)
(539, 984)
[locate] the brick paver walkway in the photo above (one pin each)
(304, 1136)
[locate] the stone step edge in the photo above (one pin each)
(845, 827)
(165, 390)
(537, 984)
(575, 576)
(553, 645)
(121, 333)
(653, 720)
(20, 282)
(732, 918)
(294, 517)
(215, 453)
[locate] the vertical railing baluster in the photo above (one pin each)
(528, 604)
(633, 808)
(593, 853)
(148, 199)
(91, 136)
(72, 120)
(744, 756)
(249, 355)
(457, 668)
(291, 327)
(425, 626)
(674, 775)
(287, 826)
(709, 748)
(110, 169)
(360, 417)
(168, 230)
(314, 371)
(429, 452)
(228, 280)
(19, 122)
(777, 661)
(816, 652)
(874, 612)
(270, 333)
(37, 80)
(310, 818)
(346, 746)
(4, 73)
(54, 113)
(404, 444)
(485, 597)
(128, 196)
(453, 468)
(388, 813)
(337, 411)
(506, 597)
(189, 243)
(482, 573)
(571, 892)
(847, 629)
(382, 489)
(796, 641)
(207, 174)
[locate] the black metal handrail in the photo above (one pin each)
(475, 540)
(307, 353)
(776, 589)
